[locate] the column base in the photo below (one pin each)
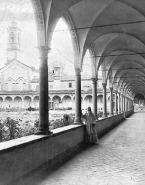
(97, 119)
(111, 115)
(78, 122)
(44, 132)
(104, 116)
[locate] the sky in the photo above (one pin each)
(61, 46)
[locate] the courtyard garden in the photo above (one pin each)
(19, 124)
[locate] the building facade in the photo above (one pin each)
(19, 83)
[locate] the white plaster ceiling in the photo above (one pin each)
(126, 42)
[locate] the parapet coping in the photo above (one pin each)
(114, 115)
(9, 146)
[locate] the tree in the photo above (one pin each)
(13, 128)
(2, 131)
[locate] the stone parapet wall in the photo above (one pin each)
(29, 155)
(106, 124)
(128, 113)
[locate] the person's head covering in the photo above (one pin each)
(89, 108)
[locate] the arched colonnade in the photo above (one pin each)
(68, 101)
(55, 101)
(19, 102)
(116, 44)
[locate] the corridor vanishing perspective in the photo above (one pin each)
(118, 159)
(110, 34)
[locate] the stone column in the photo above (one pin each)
(104, 101)
(119, 102)
(43, 92)
(22, 102)
(51, 104)
(12, 103)
(128, 104)
(115, 102)
(132, 105)
(94, 95)
(77, 97)
(124, 104)
(111, 101)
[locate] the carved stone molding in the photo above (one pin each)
(74, 37)
(94, 80)
(44, 50)
(39, 21)
(111, 89)
(104, 85)
(77, 71)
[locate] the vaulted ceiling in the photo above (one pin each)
(115, 31)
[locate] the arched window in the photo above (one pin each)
(9, 84)
(20, 84)
(12, 38)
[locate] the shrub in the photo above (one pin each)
(16, 128)
(26, 130)
(2, 131)
(100, 114)
(12, 128)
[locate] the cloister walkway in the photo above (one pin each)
(118, 159)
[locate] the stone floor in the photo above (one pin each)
(119, 159)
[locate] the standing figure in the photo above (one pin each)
(90, 122)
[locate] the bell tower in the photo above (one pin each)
(13, 49)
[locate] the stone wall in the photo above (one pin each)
(25, 156)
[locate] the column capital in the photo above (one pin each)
(94, 80)
(44, 50)
(111, 89)
(104, 84)
(77, 71)
(115, 91)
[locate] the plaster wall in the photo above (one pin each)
(33, 86)
(64, 85)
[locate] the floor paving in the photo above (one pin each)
(119, 159)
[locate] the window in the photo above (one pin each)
(50, 86)
(70, 84)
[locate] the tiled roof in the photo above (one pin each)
(72, 78)
(63, 78)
